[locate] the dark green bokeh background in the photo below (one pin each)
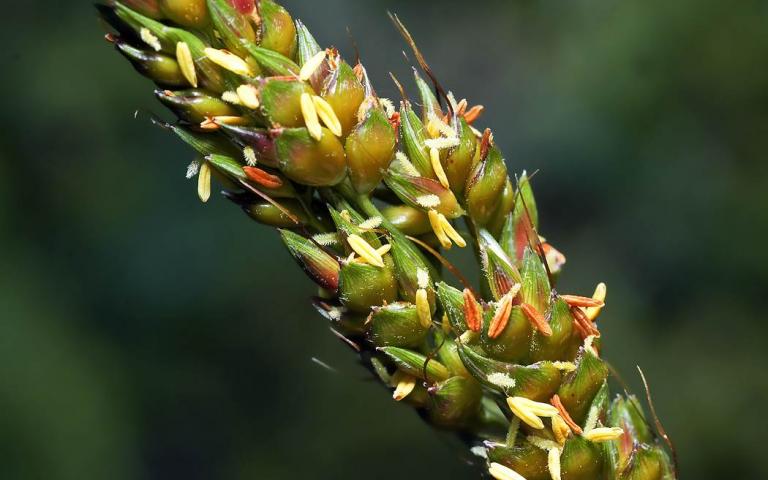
(144, 336)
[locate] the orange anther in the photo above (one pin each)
(537, 319)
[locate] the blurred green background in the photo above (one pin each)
(144, 336)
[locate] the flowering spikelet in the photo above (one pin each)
(366, 198)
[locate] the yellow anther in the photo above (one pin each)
(437, 227)
(434, 157)
(229, 61)
(365, 250)
(204, 182)
(500, 472)
(529, 411)
(422, 308)
(327, 115)
(310, 116)
(560, 429)
(384, 249)
(553, 463)
(603, 434)
(308, 69)
(249, 96)
(451, 232)
(404, 385)
(600, 292)
(186, 63)
(230, 120)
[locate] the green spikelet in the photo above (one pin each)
(366, 199)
